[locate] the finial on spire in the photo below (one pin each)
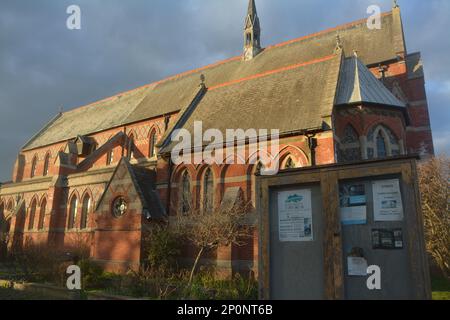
(395, 4)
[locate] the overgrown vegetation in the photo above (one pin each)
(208, 231)
(160, 276)
(434, 179)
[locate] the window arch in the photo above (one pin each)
(288, 163)
(72, 213)
(382, 143)
(85, 210)
(208, 191)
(42, 212)
(33, 208)
(46, 164)
(152, 144)
(186, 195)
(33, 167)
(349, 147)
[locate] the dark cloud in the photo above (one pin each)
(125, 44)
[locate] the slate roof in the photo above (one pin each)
(358, 85)
(283, 99)
(144, 183)
(175, 93)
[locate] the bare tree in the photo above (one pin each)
(211, 230)
(434, 178)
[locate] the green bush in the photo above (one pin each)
(35, 263)
(162, 248)
(92, 275)
(207, 286)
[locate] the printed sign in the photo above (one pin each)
(387, 239)
(295, 216)
(357, 266)
(353, 209)
(387, 200)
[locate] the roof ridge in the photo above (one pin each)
(218, 63)
(319, 33)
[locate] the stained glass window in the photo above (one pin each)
(381, 146)
(42, 214)
(208, 191)
(85, 211)
(186, 194)
(32, 215)
(72, 213)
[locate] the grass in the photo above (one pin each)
(12, 294)
(441, 288)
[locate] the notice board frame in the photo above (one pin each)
(328, 177)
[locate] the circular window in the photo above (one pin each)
(120, 207)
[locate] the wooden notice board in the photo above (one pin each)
(317, 225)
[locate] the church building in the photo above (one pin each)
(102, 173)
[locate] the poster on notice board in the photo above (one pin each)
(295, 216)
(387, 200)
(353, 207)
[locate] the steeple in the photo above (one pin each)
(252, 32)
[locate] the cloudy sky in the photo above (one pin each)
(126, 44)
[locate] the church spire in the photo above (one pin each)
(252, 32)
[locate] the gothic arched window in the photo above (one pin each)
(381, 146)
(208, 191)
(46, 164)
(349, 147)
(382, 143)
(152, 145)
(33, 167)
(186, 197)
(72, 213)
(42, 214)
(32, 215)
(85, 209)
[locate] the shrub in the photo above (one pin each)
(36, 262)
(92, 275)
(162, 248)
(206, 286)
(434, 178)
